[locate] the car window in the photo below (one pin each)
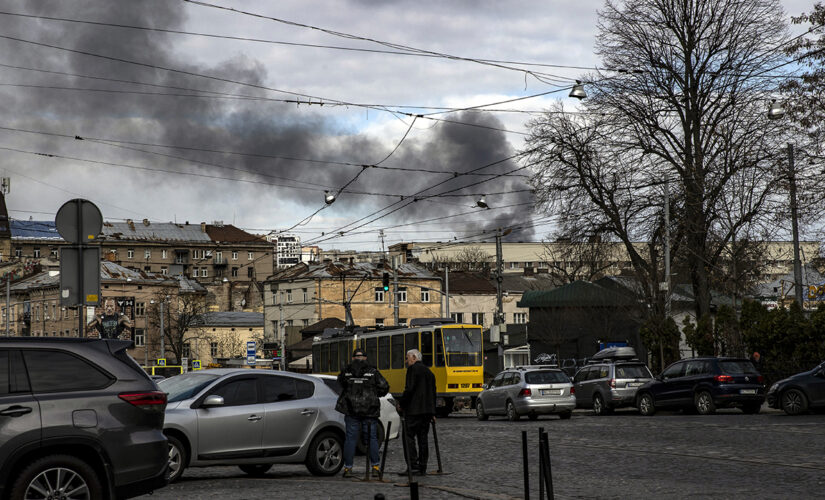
(674, 370)
(516, 378)
(18, 379)
(603, 371)
(581, 375)
(545, 377)
(57, 371)
(738, 368)
(4, 372)
(281, 388)
(185, 386)
(238, 392)
(632, 371)
(497, 381)
(697, 368)
(333, 384)
(508, 378)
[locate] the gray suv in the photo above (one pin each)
(527, 390)
(252, 419)
(610, 381)
(79, 418)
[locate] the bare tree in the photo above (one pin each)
(682, 109)
(467, 259)
(572, 259)
(181, 319)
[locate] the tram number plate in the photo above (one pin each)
(747, 391)
(551, 392)
(465, 386)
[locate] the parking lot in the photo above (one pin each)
(625, 455)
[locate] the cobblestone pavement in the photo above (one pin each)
(669, 455)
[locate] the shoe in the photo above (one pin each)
(347, 472)
(375, 471)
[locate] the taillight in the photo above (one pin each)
(724, 378)
(150, 400)
(760, 379)
(572, 391)
(612, 383)
(526, 392)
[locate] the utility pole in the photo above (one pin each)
(447, 291)
(395, 290)
(498, 319)
(162, 342)
(667, 274)
(281, 329)
(8, 302)
(797, 264)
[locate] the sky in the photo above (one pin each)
(253, 124)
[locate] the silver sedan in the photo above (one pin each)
(253, 419)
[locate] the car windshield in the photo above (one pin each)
(545, 377)
(632, 371)
(463, 346)
(737, 368)
(185, 386)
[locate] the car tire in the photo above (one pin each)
(512, 414)
(178, 458)
(54, 473)
(565, 415)
(646, 405)
(361, 446)
(598, 405)
(794, 402)
(480, 413)
(255, 470)
(751, 409)
(326, 454)
(704, 403)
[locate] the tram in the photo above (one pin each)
(452, 351)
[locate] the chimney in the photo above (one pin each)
(145, 222)
(203, 227)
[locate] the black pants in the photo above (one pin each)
(418, 428)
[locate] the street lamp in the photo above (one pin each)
(329, 198)
(578, 91)
(482, 203)
(776, 111)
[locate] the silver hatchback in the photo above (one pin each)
(253, 419)
(527, 390)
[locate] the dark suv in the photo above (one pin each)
(704, 384)
(610, 382)
(78, 419)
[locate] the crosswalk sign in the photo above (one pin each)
(161, 361)
(196, 364)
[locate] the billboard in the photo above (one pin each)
(113, 319)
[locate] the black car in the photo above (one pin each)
(704, 384)
(79, 418)
(800, 392)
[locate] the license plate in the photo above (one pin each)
(747, 391)
(551, 392)
(634, 384)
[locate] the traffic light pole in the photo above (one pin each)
(395, 291)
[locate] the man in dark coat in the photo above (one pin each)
(361, 387)
(418, 406)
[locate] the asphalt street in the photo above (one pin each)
(625, 455)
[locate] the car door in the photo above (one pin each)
(19, 410)
(490, 396)
(816, 386)
(234, 429)
(290, 412)
(505, 392)
(667, 389)
(584, 390)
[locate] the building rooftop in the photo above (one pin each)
(34, 229)
(142, 231)
(109, 272)
(354, 270)
(230, 318)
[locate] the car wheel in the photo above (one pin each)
(565, 415)
(598, 405)
(361, 446)
(794, 402)
(751, 409)
(255, 470)
(512, 414)
(326, 454)
(177, 458)
(704, 403)
(480, 414)
(646, 406)
(57, 476)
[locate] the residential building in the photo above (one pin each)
(216, 338)
(288, 250)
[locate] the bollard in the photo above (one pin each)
(413, 491)
(368, 447)
(541, 466)
(384, 455)
(437, 451)
(407, 454)
(544, 447)
(525, 465)
(378, 496)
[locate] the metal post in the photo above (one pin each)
(81, 293)
(797, 265)
(447, 291)
(437, 449)
(367, 448)
(384, 455)
(541, 466)
(395, 290)
(667, 273)
(162, 342)
(406, 450)
(499, 306)
(8, 302)
(544, 447)
(281, 328)
(525, 465)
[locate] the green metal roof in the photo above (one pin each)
(576, 294)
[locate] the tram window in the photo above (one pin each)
(316, 354)
(324, 358)
(427, 348)
(410, 342)
(439, 348)
(383, 353)
(333, 357)
(398, 352)
(372, 351)
(344, 353)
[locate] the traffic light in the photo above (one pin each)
(386, 281)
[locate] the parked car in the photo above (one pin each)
(800, 392)
(704, 384)
(388, 412)
(252, 419)
(527, 390)
(78, 415)
(611, 380)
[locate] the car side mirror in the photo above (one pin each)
(212, 400)
(485, 386)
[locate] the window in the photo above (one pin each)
(147, 254)
(204, 272)
(289, 296)
(519, 318)
(279, 388)
(478, 319)
(379, 322)
(425, 295)
(290, 322)
(371, 350)
(383, 353)
(140, 337)
(305, 322)
(457, 317)
(402, 322)
(306, 295)
(4, 372)
(250, 255)
(213, 349)
(427, 348)
(333, 356)
(187, 350)
(234, 272)
(234, 255)
(164, 254)
(36, 253)
(508, 379)
(397, 355)
(439, 348)
(514, 265)
(53, 252)
(379, 294)
(410, 342)
(130, 253)
(194, 272)
(55, 371)
(54, 312)
(18, 252)
(238, 392)
(148, 269)
(164, 270)
(673, 371)
(250, 272)
(402, 295)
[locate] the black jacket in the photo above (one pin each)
(419, 392)
(361, 386)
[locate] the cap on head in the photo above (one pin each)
(358, 352)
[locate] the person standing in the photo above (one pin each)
(361, 387)
(417, 404)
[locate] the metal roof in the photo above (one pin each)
(154, 231)
(576, 294)
(230, 318)
(109, 272)
(34, 229)
(334, 270)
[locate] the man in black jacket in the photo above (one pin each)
(362, 386)
(418, 406)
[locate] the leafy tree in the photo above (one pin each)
(661, 338)
(700, 336)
